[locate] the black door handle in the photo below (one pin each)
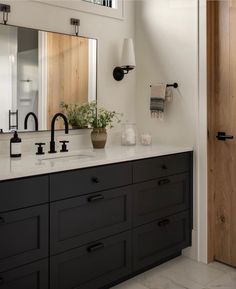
(223, 136)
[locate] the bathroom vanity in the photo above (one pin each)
(97, 225)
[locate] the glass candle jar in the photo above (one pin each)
(128, 136)
(146, 139)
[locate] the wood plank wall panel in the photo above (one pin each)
(68, 66)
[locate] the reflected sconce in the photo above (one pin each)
(127, 60)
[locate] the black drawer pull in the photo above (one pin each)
(1, 281)
(164, 223)
(95, 180)
(2, 221)
(95, 198)
(163, 182)
(95, 247)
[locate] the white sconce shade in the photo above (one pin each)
(128, 56)
(127, 60)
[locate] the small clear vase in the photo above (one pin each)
(128, 135)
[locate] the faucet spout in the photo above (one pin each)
(35, 121)
(52, 142)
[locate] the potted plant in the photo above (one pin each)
(99, 119)
(75, 114)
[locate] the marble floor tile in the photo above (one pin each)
(222, 267)
(227, 281)
(183, 273)
(130, 284)
(197, 272)
(169, 280)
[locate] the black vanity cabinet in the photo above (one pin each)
(92, 228)
(24, 226)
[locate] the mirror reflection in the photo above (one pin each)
(39, 73)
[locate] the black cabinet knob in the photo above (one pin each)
(95, 180)
(164, 167)
(40, 148)
(1, 281)
(64, 148)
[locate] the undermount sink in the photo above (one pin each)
(74, 157)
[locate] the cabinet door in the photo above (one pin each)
(31, 276)
(21, 193)
(161, 197)
(160, 239)
(77, 221)
(85, 181)
(24, 236)
(92, 266)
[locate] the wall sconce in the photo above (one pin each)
(127, 60)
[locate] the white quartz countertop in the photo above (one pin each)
(31, 165)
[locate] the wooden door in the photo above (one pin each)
(68, 66)
(222, 118)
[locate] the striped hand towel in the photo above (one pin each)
(157, 100)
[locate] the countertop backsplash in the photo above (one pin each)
(78, 139)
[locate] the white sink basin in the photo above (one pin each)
(65, 157)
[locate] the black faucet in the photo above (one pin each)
(35, 120)
(52, 142)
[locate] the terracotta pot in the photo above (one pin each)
(99, 138)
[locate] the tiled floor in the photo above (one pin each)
(183, 273)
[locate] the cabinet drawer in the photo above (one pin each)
(17, 194)
(77, 221)
(161, 166)
(82, 182)
(160, 198)
(32, 276)
(160, 239)
(94, 265)
(24, 236)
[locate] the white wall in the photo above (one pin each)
(167, 51)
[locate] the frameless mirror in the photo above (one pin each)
(41, 70)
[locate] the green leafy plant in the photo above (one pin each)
(74, 114)
(89, 115)
(100, 117)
